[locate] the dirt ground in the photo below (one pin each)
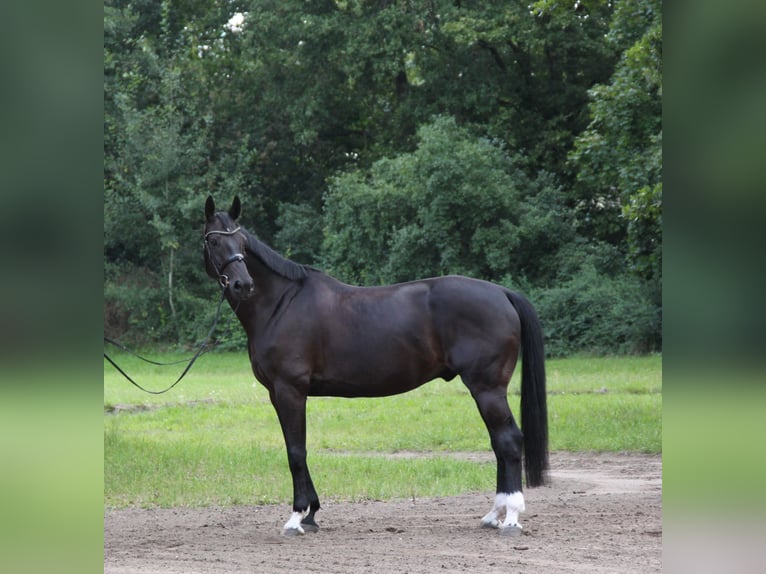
(601, 513)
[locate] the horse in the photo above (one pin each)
(309, 334)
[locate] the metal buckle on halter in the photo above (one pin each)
(223, 280)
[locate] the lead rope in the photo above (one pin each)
(186, 370)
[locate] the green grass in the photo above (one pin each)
(215, 439)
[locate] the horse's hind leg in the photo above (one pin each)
(506, 439)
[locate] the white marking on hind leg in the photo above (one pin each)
(514, 505)
(490, 519)
(295, 522)
(506, 508)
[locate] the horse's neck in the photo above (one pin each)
(271, 290)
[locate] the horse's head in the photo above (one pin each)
(225, 248)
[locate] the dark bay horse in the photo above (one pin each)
(311, 335)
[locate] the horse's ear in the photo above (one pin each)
(236, 208)
(209, 208)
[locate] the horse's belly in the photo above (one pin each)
(371, 382)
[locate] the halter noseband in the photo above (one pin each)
(222, 278)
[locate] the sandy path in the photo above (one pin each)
(602, 513)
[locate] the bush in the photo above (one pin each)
(451, 206)
(137, 312)
(593, 312)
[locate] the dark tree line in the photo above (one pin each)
(388, 140)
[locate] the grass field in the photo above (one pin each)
(215, 439)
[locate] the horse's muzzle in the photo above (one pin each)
(240, 289)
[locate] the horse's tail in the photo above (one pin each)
(534, 410)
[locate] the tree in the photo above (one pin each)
(451, 206)
(542, 169)
(618, 158)
(156, 145)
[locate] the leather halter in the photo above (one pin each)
(223, 279)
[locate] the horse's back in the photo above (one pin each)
(438, 310)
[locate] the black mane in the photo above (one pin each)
(273, 260)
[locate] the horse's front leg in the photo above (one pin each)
(290, 404)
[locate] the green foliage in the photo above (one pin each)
(545, 152)
(598, 313)
(448, 207)
(643, 212)
(300, 233)
(618, 158)
(522, 70)
(546, 232)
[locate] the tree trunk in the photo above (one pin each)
(170, 286)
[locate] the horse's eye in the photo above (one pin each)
(214, 242)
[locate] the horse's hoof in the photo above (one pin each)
(492, 525)
(310, 527)
(290, 532)
(513, 530)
